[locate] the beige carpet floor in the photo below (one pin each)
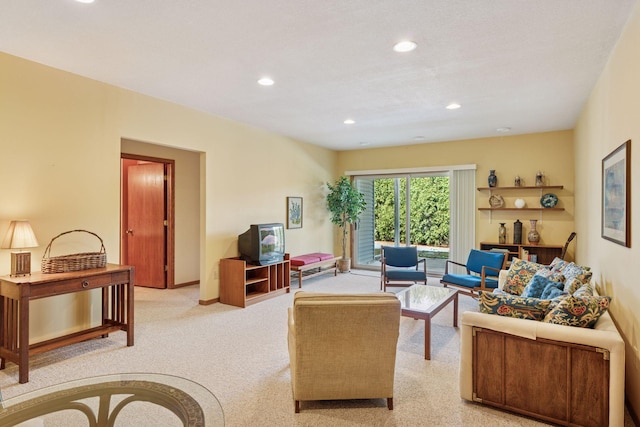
(241, 356)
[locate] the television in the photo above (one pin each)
(262, 244)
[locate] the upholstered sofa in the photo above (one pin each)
(562, 374)
(343, 346)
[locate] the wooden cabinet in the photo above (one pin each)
(243, 284)
(544, 253)
(571, 386)
(521, 190)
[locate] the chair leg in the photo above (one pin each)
(390, 403)
(297, 406)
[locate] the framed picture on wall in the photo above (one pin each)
(616, 195)
(294, 212)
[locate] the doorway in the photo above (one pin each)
(147, 219)
(404, 210)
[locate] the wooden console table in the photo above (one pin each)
(116, 282)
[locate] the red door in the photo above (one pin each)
(145, 232)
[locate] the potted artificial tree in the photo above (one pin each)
(345, 204)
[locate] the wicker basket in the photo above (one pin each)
(73, 262)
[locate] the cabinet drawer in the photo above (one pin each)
(78, 284)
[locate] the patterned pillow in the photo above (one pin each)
(582, 312)
(537, 285)
(519, 274)
(574, 271)
(550, 274)
(513, 306)
(557, 264)
(585, 290)
(572, 285)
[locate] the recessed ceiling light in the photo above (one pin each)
(453, 106)
(405, 46)
(504, 129)
(85, 1)
(349, 122)
(418, 138)
(364, 143)
(266, 81)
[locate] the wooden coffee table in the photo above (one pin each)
(424, 302)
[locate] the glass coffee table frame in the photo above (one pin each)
(101, 400)
(424, 302)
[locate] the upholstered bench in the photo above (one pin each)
(313, 264)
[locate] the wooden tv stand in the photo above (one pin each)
(243, 284)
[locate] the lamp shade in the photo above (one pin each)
(19, 236)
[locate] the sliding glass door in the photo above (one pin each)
(404, 210)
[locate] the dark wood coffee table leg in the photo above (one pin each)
(427, 338)
(455, 311)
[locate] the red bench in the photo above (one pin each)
(310, 265)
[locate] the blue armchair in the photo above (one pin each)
(405, 269)
(482, 268)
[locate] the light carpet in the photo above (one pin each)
(241, 356)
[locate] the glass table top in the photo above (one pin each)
(423, 298)
(134, 399)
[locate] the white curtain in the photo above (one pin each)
(462, 201)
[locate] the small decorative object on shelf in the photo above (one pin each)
(549, 200)
(493, 179)
(496, 201)
(533, 236)
(519, 203)
(517, 182)
(539, 179)
(517, 232)
(502, 234)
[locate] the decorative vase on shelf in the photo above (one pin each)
(533, 236)
(502, 234)
(517, 232)
(539, 179)
(493, 179)
(517, 182)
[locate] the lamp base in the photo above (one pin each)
(20, 263)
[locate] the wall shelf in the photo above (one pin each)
(520, 209)
(540, 209)
(542, 187)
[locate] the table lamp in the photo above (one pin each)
(20, 236)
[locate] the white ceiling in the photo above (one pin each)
(524, 64)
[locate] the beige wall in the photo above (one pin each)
(521, 155)
(610, 118)
(61, 141)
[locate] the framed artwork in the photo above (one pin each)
(294, 212)
(616, 195)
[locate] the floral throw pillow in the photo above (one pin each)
(572, 285)
(585, 290)
(575, 271)
(513, 306)
(582, 312)
(519, 275)
(550, 274)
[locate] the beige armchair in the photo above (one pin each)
(343, 346)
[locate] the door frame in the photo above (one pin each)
(169, 242)
(396, 175)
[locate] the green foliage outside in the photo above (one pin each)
(429, 210)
